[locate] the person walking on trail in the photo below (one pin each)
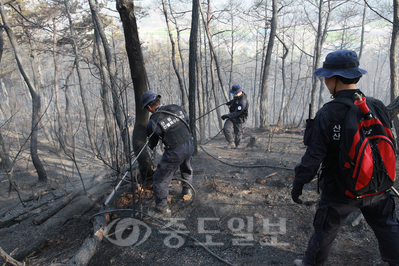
(341, 72)
(170, 124)
(238, 108)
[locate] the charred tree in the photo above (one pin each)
(119, 114)
(265, 76)
(139, 77)
(80, 77)
(35, 99)
(192, 70)
(212, 66)
(393, 59)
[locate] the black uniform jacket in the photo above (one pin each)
(322, 148)
(238, 108)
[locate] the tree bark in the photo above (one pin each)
(120, 117)
(362, 33)
(200, 94)
(283, 93)
(316, 60)
(105, 99)
(193, 57)
(255, 99)
(320, 37)
(91, 243)
(38, 83)
(139, 77)
(265, 76)
(393, 61)
(35, 99)
(212, 68)
(80, 78)
(69, 136)
(58, 116)
(4, 152)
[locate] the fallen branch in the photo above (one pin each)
(91, 243)
(31, 249)
(10, 259)
(79, 205)
(56, 207)
(22, 214)
(271, 175)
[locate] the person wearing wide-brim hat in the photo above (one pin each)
(169, 123)
(236, 118)
(341, 73)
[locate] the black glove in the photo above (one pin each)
(229, 103)
(224, 117)
(296, 191)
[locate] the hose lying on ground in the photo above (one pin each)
(245, 166)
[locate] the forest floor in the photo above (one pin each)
(242, 214)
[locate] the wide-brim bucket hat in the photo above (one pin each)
(148, 97)
(236, 88)
(342, 63)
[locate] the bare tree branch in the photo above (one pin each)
(381, 16)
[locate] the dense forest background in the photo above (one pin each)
(67, 78)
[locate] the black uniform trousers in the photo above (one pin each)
(379, 213)
(233, 130)
(170, 161)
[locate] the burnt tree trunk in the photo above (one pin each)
(35, 99)
(139, 78)
(119, 114)
(393, 61)
(212, 67)
(83, 96)
(265, 76)
(192, 70)
(3, 150)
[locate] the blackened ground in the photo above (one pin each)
(242, 212)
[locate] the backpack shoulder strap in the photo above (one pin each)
(343, 100)
(337, 115)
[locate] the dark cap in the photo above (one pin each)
(148, 97)
(342, 63)
(236, 88)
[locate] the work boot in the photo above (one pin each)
(298, 262)
(186, 192)
(230, 145)
(162, 211)
(237, 144)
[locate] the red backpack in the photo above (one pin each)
(367, 149)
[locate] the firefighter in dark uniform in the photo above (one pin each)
(238, 108)
(170, 124)
(341, 73)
